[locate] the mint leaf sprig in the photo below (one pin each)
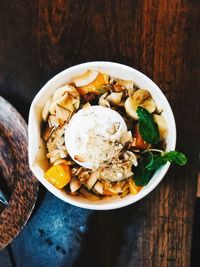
(153, 161)
(147, 127)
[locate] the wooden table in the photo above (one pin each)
(158, 37)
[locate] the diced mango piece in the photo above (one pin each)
(134, 189)
(138, 141)
(95, 86)
(59, 175)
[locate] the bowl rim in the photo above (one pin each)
(162, 171)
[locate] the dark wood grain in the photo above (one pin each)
(158, 37)
(19, 179)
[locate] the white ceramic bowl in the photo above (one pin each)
(37, 155)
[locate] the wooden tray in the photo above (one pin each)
(14, 167)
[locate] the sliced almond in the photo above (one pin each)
(85, 78)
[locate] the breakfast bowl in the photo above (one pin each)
(80, 123)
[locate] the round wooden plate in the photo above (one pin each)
(15, 171)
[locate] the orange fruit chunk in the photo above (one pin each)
(59, 175)
(95, 86)
(134, 189)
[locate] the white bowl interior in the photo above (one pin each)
(37, 155)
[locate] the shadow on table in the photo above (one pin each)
(61, 235)
(110, 234)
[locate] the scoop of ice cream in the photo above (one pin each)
(92, 136)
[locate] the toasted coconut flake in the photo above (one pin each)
(59, 93)
(45, 111)
(48, 132)
(92, 180)
(89, 195)
(74, 184)
(84, 176)
(76, 103)
(52, 107)
(98, 187)
(53, 121)
(62, 114)
(132, 157)
(67, 102)
(85, 78)
(103, 102)
(65, 89)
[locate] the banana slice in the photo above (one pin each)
(131, 107)
(149, 105)
(85, 78)
(114, 98)
(162, 125)
(139, 98)
(129, 85)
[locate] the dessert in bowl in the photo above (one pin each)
(101, 135)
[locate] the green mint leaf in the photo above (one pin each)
(160, 160)
(142, 178)
(156, 162)
(152, 162)
(147, 127)
(141, 175)
(176, 157)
